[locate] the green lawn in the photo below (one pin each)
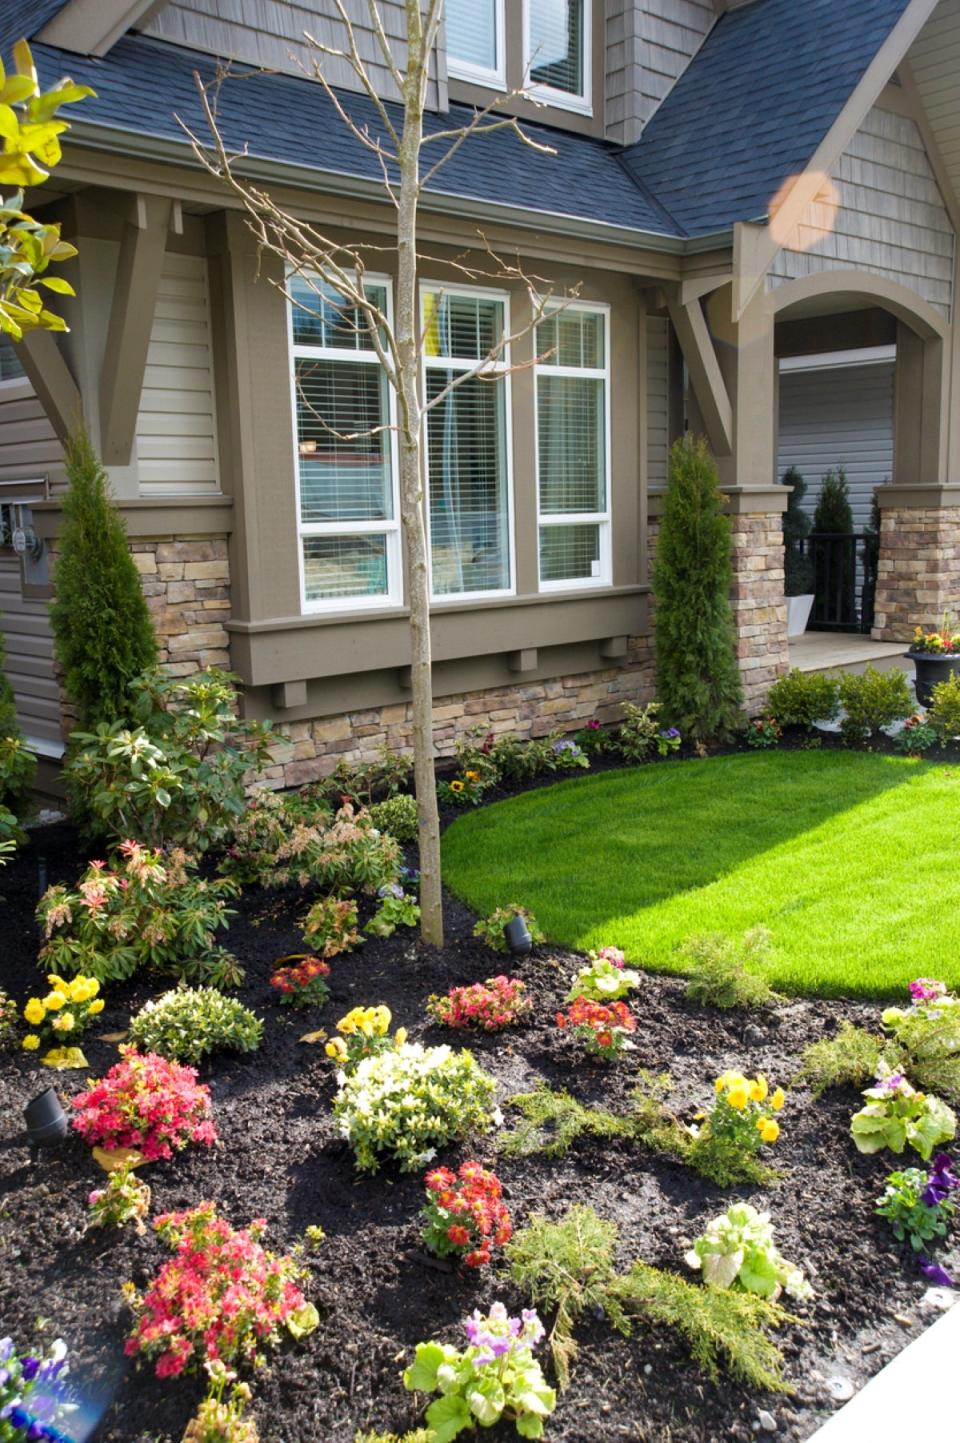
(850, 859)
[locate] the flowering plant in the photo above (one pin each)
(940, 642)
(641, 734)
(220, 1419)
(490, 929)
(463, 791)
(498, 1002)
(897, 1115)
(568, 754)
(927, 989)
(146, 1103)
(64, 1013)
(916, 735)
(8, 1021)
(122, 1199)
(465, 1213)
(397, 909)
(737, 1249)
(410, 1101)
(190, 1022)
(286, 841)
(742, 1113)
(366, 1031)
(605, 978)
(919, 1205)
(152, 911)
(220, 1298)
(592, 739)
(331, 927)
(304, 984)
(763, 731)
(496, 1376)
(602, 1028)
(33, 1394)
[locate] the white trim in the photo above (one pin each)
(495, 79)
(602, 519)
(447, 363)
(562, 99)
(393, 596)
(835, 360)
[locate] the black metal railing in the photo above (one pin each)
(845, 579)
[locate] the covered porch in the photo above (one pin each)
(845, 651)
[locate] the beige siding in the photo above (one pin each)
(271, 33)
(649, 43)
(658, 399)
(934, 61)
(28, 446)
(886, 216)
(176, 427)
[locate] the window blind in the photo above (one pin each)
(556, 44)
(472, 33)
(343, 476)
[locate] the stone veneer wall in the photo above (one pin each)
(186, 580)
(759, 609)
(918, 575)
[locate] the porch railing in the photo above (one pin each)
(845, 579)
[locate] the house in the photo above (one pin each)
(732, 185)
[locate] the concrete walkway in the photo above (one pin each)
(914, 1396)
(850, 651)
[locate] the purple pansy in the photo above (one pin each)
(935, 1274)
(941, 1181)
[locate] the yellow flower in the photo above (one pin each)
(78, 990)
(456, 786)
(738, 1097)
(35, 1011)
(778, 1099)
(64, 1023)
(55, 1000)
(336, 1049)
(472, 776)
(31, 1042)
(54, 981)
(96, 1007)
(770, 1130)
(400, 1036)
(758, 1089)
(382, 1016)
(93, 987)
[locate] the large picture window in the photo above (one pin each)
(573, 447)
(348, 507)
(468, 473)
(475, 40)
(558, 50)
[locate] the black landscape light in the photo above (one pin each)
(46, 1121)
(517, 935)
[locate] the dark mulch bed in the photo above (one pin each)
(377, 1292)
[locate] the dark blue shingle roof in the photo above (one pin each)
(22, 19)
(754, 105)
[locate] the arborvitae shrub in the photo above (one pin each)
(798, 569)
(102, 633)
(698, 681)
(833, 512)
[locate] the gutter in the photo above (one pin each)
(112, 140)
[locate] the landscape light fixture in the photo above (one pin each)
(517, 935)
(46, 1122)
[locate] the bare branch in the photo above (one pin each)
(386, 49)
(355, 60)
(482, 124)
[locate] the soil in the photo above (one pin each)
(378, 1293)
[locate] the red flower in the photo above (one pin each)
(458, 1235)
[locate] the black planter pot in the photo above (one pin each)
(517, 936)
(46, 1121)
(931, 669)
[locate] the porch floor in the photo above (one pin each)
(848, 651)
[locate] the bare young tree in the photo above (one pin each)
(410, 156)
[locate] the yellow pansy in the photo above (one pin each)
(81, 989)
(770, 1130)
(778, 1099)
(738, 1097)
(96, 1007)
(35, 1011)
(720, 1084)
(336, 1049)
(55, 1000)
(400, 1036)
(758, 1089)
(31, 1042)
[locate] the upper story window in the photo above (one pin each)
(11, 368)
(468, 454)
(475, 41)
(558, 51)
(573, 448)
(346, 469)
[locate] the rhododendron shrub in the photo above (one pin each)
(152, 911)
(147, 1103)
(221, 1298)
(603, 1029)
(465, 1214)
(489, 1006)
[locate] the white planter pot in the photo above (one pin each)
(798, 614)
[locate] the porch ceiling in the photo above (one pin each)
(934, 62)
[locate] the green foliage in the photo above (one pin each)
(568, 1267)
(361, 783)
(913, 1220)
(943, 713)
(187, 1024)
(728, 973)
(848, 1060)
(490, 929)
(9, 1021)
(798, 569)
(102, 634)
(330, 927)
(697, 673)
(916, 736)
(164, 917)
(553, 1121)
(398, 816)
(763, 732)
(896, 1116)
(18, 767)
(738, 1250)
(177, 779)
(926, 1045)
(602, 980)
(287, 840)
(397, 909)
(124, 1198)
(640, 733)
(803, 697)
(419, 1435)
(873, 699)
(833, 514)
(31, 146)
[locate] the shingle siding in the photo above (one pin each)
(649, 44)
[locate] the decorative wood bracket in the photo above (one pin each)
(52, 379)
(706, 378)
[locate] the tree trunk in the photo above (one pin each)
(411, 485)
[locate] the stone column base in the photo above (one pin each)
(759, 607)
(918, 574)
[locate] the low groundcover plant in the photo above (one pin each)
(122, 1199)
(221, 1298)
(146, 1103)
(496, 1376)
(490, 929)
(465, 1213)
(737, 1249)
(191, 1022)
(897, 1116)
(488, 1006)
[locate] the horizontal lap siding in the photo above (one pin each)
(887, 217)
(176, 427)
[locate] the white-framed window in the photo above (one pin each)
(557, 49)
(347, 491)
(476, 41)
(573, 448)
(468, 452)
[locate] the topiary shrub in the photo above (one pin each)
(872, 700)
(835, 581)
(803, 697)
(102, 635)
(698, 679)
